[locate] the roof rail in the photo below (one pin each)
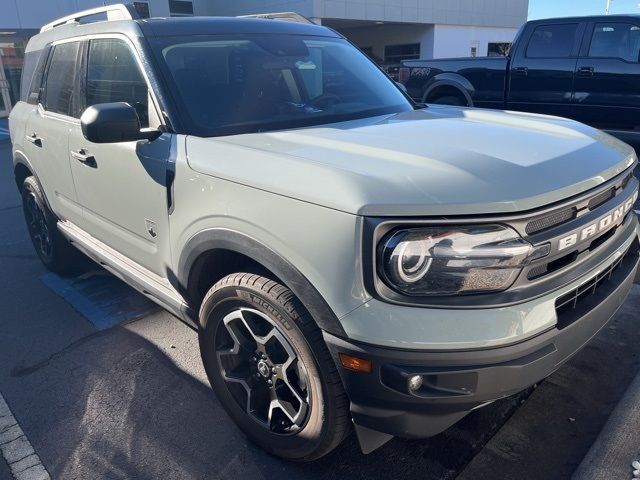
(288, 16)
(117, 11)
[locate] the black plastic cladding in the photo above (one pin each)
(533, 281)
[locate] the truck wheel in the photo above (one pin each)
(53, 249)
(449, 100)
(268, 363)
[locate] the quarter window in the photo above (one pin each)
(616, 40)
(62, 80)
(113, 75)
(552, 41)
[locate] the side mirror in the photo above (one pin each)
(114, 122)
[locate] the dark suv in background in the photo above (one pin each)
(583, 68)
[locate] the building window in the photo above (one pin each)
(180, 8)
(142, 8)
(498, 49)
(397, 53)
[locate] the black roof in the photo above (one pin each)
(162, 27)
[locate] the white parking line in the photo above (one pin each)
(16, 448)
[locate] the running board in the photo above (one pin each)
(146, 282)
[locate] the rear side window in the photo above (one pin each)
(113, 75)
(616, 40)
(552, 41)
(62, 79)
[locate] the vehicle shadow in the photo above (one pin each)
(116, 406)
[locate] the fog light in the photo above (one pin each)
(415, 382)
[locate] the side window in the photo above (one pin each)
(32, 74)
(552, 41)
(616, 40)
(62, 80)
(113, 75)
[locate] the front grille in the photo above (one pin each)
(572, 305)
(559, 217)
(601, 199)
(545, 223)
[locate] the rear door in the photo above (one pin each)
(607, 82)
(541, 71)
(122, 187)
(55, 112)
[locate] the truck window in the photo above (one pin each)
(552, 41)
(62, 79)
(616, 40)
(113, 75)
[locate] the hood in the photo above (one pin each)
(437, 161)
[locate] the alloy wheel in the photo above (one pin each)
(262, 371)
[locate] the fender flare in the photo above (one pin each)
(225, 239)
(452, 80)
(19, 158)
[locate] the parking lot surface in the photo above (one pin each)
(105, 388)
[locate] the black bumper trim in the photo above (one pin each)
(456, 382)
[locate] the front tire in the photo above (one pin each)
(268, 363)
(54, 250)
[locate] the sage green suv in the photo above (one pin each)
(351, 260)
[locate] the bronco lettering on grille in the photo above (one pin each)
(604, 223)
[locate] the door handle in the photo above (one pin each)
(586, 71)
(35, 139)
(521, 71)
(83, 157)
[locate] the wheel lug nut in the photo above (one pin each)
(273, 370)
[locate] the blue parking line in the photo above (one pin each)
(100, 297)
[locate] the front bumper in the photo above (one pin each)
(456, 382)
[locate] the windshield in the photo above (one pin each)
(256, 83)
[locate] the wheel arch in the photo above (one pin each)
(452, 81)
(21, 169)
(214, 253)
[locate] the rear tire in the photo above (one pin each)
(54, 250)
(237, 314)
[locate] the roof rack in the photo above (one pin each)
(287, 16)
(117, 11)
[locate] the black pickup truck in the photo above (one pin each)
(584, 68)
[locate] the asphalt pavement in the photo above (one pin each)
(131, 400)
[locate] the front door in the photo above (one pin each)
(122, 187)
(5, 101)
(541, 71)
(607, 86)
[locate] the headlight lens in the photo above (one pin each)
(454, 260)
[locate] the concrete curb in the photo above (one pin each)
(618, 444)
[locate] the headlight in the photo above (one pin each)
(454, 260)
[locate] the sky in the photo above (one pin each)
(565, 8)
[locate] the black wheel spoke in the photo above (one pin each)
(262, 371)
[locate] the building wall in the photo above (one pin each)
(511, 13)
(456, 40)
(24, 14)
(233, 8)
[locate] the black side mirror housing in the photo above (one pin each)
(113, 123)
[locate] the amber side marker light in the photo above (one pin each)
(354, 363)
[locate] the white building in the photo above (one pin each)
(388, 30)
(393, 30)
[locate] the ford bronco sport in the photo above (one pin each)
(348, 257)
